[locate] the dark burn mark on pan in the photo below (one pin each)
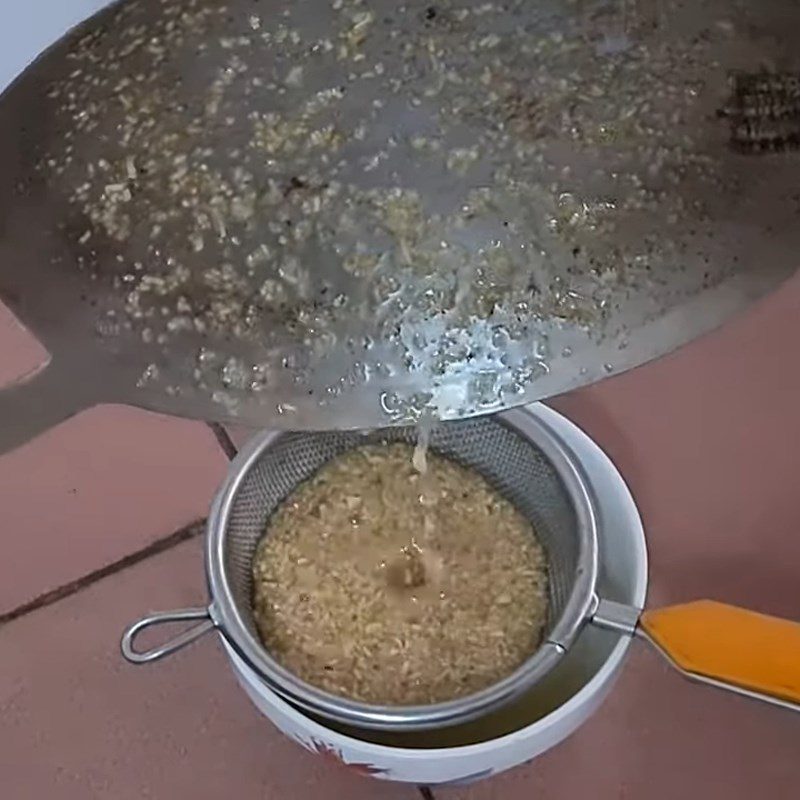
(764, 112)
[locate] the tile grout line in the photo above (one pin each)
(223, 440)
(67, 589)
(155, 548)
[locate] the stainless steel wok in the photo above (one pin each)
(347, 214)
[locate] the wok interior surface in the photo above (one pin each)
(335, 215)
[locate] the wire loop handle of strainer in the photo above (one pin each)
(172, 645)
(734, 649)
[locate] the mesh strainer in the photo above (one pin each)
(518, 454)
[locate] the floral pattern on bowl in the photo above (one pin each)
(330, 753)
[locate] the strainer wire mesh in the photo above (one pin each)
(512, 465)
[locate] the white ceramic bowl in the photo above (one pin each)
(542, 718)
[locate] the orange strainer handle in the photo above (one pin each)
(730, 647)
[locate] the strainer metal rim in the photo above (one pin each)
(228, 619)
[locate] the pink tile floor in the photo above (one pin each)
(709, 440)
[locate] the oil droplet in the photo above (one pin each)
(150, 374)
(388, 402)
